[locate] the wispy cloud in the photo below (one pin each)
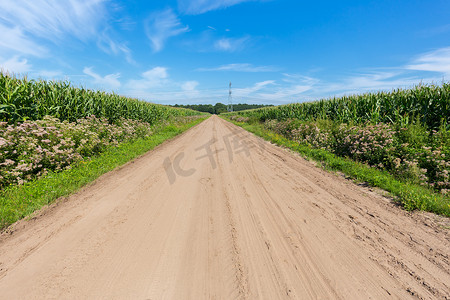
(162, 25)
(51, 20)
(369, 81)
(275, 92)
(15, 40)
(210, 41)
(430, 67)
(196, 7)
(27, 25)
(150, 79)
(231, 44)
(109, 45)
(292, 87)
(189, 89)
(372, 80)
(189, 85)
(296, 78)
(156, 85)
(289, 93)
(434, 61)
(15, 65)
(49, 74)
(107, 82)
(242, 67)
(243, 92)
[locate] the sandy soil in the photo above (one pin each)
(217, 213)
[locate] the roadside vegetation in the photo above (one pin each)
(400, 141)
(55, 138)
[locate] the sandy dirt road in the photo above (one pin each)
(217, 213)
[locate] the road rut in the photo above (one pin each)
(218, 213)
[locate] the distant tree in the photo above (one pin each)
(244, 106)
(219, 108)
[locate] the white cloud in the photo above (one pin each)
(223, 44)
(243, 67)
(15, 65)
(270, 91)
(372, 82)
(49, 74)
(156, 73)
(189, 86)
(108, 45)
(162, 25)
(189, 90)
(243, 92)
(297, 78)
(291, 87)
(13, 38)
(285, 93)
(52, 19)
(210, 41)
(427, 68)
(155, 85)
(230, 44)
(435, 61)
(107, 82)
(151, 79)
(25, 25)
(296, 87)
(195, 7)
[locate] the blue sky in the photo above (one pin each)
(187, 51)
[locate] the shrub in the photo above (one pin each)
(32, 148)
(411, 153)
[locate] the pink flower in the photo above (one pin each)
(3, 142)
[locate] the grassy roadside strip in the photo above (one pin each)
(18, 202)
(410, 196)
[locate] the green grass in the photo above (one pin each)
(18, 202)
(410, 196)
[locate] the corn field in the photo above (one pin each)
(22, 99)
(429, 104)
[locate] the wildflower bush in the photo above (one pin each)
(373, 144)
(239, 118)
(311, 134)
(33, 148)
(411, 153)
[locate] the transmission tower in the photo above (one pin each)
(230, 99)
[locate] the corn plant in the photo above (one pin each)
(22, 99)
(429, 104)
